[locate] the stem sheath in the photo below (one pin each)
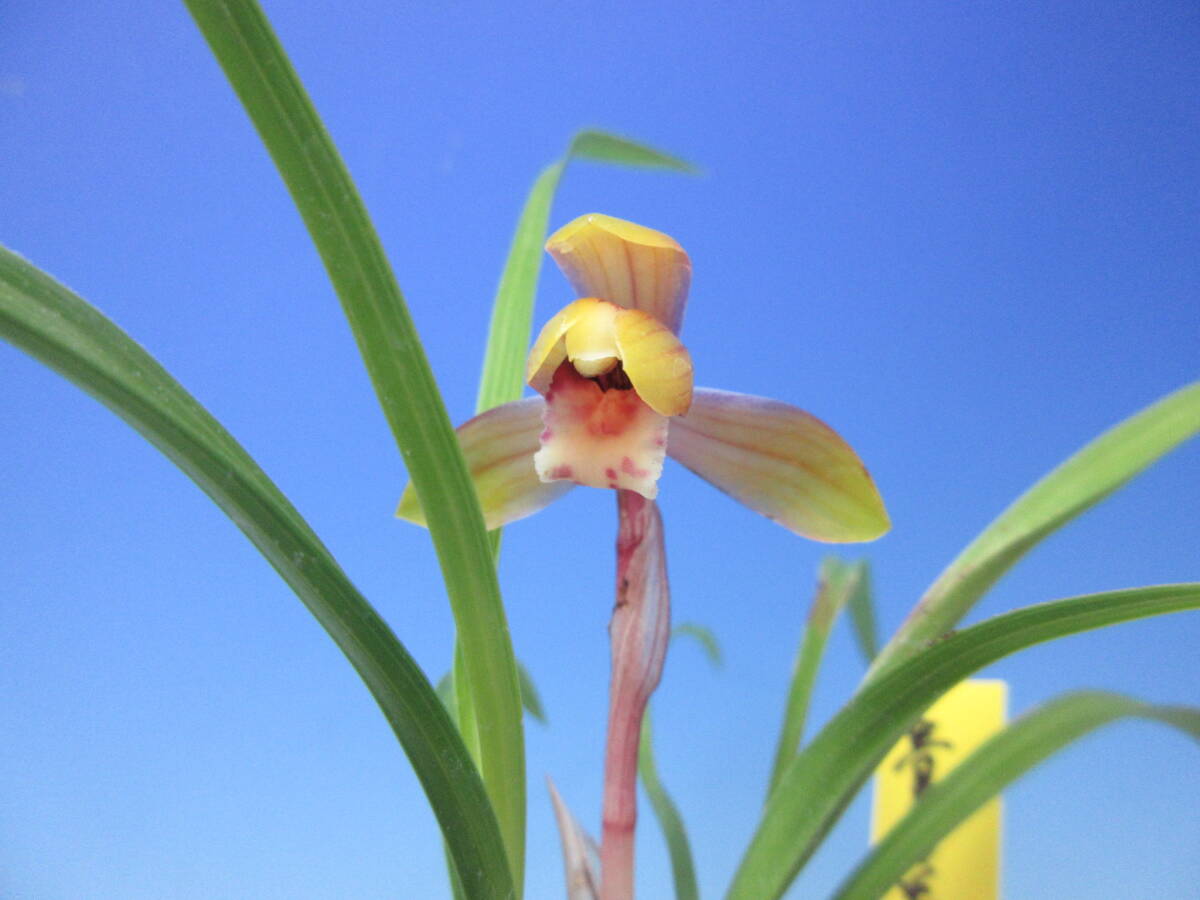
(639, 631)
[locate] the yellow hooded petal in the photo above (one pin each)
(658, 365)
(499, 446)
(550, 349)
(781, 462)
(627, 264)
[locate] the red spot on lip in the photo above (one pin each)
(545, 435)
(613, 485)
(559, 472)
(610, 474)
(628, 467)
(660, 442)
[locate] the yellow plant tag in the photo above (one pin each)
(966, 864)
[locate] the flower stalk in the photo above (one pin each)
(639, 630)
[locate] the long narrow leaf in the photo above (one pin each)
(992, 767)
(248, 51)
(670, 822)
(862, 611)
(58, 328)
(600, 146)
(530, 698)
(683, 869)
(702, 635)
(1085, 479)
(835, 581)
(826, 774)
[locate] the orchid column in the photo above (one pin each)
(617, 398)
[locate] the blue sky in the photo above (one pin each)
(963, 234)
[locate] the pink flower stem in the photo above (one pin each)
(639, 631)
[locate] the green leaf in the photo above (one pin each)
(58, 328)
(248, 51)
(825, 775)
(834, 584)
(992, 767)
(862, 610)
(530, 698)
(670, 822)
(1082, 481)
(703, 635)
(503, 378)
(683, 870)
(600, 146)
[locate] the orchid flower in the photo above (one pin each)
(616, 397)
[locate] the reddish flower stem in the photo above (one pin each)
(639, 631)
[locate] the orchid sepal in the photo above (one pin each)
(781, 462)
(499, 446)
(625, 263)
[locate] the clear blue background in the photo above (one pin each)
(964, 234)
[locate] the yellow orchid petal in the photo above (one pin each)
(781, 462)
(658, 365)
(499, 446)
(605, 439)
(627, 264)
(582, 331)
(550, 348)
(591, 340)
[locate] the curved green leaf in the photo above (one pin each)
(56, 327)
(702, 635)
(530, 698)
(600, 146)
(862, 611)
(826, 774)
(265, 82)
(835, 582)
(670, 822)
(992, 767)
(683, 869)
(503, 377)
(1085, 479)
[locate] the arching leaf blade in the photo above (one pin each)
(702, 635)
(993, 766)
(244, 44)
(834, 583)
(862, 610)
(601, 146)
(825, 775)
(59, 329)
(670, 821)
(1086, 478)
